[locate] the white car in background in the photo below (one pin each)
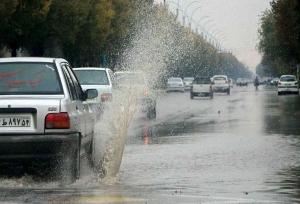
(202, 87)
(221, 84)
(188, 81)
(288, 84)
(175, 84)
(101, 79)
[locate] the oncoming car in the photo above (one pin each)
(202, 87)
(188, 82)
(221, 84)
(288, 84)
(43, 114)
(101, 79)
(175, 84)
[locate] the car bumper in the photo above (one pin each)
(288, 89)
(37, 146)
(204, 93)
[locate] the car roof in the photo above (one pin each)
(91, 68)
(29, 59)
(220, 76)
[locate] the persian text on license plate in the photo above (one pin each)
(15, 121)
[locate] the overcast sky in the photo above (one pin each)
(237, 22)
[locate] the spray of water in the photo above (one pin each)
(149, 54)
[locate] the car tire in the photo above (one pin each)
(279, 93)
(211, 95)
(228, 92)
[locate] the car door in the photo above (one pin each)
(74, 107)
(88, 113)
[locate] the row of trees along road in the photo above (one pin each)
(96, 32)
(280, 38)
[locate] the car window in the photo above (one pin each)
(175, 80)
(288, 78)
(79, 92)
(219, 78)
(202, 81)
(29, 78)
(92, 77)
(70, 83)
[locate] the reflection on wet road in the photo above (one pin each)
(242, 148)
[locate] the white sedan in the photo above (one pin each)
(175, 84)
(288, 84)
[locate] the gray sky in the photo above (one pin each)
(235, 21)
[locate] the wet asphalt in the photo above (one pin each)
(242, 148)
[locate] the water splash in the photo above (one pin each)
(150, 52)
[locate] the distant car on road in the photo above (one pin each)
(221, 84)
(288, 84)
(101, 79)
(202, 87)
(43, 114)
(175, 84)
(188, 82)
(137, 80)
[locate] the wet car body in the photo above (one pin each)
(42, 112)
(288, 84)
(175, 84)
(201, 87)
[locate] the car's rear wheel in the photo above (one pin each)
(211, 95)
(279, 93)
(228, 92)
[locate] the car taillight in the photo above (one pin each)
(296, 83)
(279, 83)
(106, 97)
(57, 121)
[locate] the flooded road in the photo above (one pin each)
(242, 148)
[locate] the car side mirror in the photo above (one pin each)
(90, 94)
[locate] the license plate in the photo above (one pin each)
(15, 121)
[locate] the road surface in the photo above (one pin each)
(242, 148)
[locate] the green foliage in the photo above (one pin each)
(280, 37)
(97, 32)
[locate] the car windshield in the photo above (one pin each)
(92, 77)
(189, 79)
(178, 80)
(288, 78)
(219, 78)
(202, 81)
(29, 78)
